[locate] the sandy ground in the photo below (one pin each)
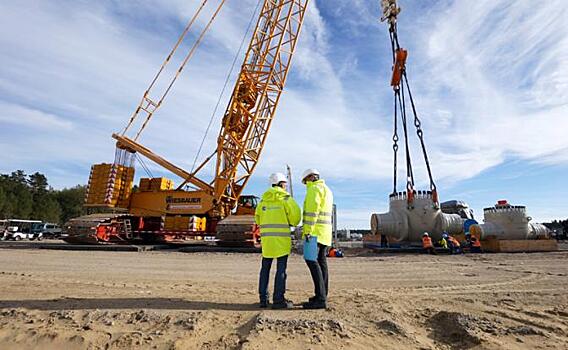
(118, 300)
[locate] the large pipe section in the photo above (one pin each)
(508, 222)
(407, 219)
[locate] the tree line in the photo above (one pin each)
(30, 197)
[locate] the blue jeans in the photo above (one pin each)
(279, 279)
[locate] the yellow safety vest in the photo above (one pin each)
(318, 207)
(275, 214)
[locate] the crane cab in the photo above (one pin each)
(247, 205)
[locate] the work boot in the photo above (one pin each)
(285, 304)
(263, 304)
(312, 299)
(314, 304)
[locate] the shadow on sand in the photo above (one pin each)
(124, 303)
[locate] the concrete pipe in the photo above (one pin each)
(507, 222)
(408, 221)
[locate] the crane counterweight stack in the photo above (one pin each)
(244, 128)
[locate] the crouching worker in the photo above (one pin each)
(454, 245)
(443, 242)
(475, 245)
(335, 253)
(275, 214)
(427, 246)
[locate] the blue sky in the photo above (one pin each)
(490, 79)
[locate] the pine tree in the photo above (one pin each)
(20, 198)
(71, 202)
(2, 199)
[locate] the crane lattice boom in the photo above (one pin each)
(255, 96)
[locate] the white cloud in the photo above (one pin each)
(497, 67)
(315, 126)
(31, 118)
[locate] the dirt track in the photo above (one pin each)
(118, 300)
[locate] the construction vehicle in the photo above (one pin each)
(457, 207)
(197, 208)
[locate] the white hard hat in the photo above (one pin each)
(309, 172)
(276, 178)
(425, 234)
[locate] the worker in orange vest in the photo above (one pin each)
(454, 245)
(475, 245)
(427, 245)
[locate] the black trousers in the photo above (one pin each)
(429, 250)
(320, 277)
(475, 249)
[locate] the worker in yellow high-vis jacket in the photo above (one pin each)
(276, 213)
(317, 222)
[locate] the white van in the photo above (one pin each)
(21, 229)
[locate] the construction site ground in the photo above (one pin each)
(55, 299)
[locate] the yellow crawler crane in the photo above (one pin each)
(219, 203)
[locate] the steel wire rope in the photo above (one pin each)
(420, 133)
(180, 69)
(395, 137)
(409, 172)
(165, 63)
(225, 85)
(144, 166)
(393, 34)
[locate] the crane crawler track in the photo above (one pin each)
(88, 229)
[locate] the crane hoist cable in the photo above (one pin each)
(147, 105)
(227, 79)
(401, 88)
(144, 166)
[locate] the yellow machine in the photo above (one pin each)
(148, 212)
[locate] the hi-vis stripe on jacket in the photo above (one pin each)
(275, 214)
(318, 207)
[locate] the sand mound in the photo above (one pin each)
(390, 327)
(455, 329)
